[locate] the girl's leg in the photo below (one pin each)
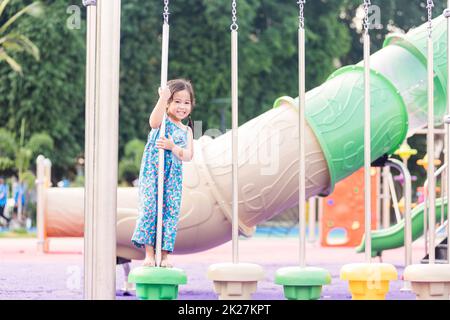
(149, 257)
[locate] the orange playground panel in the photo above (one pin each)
(343, 211)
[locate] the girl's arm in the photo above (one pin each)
(157, 114)
(188, 153)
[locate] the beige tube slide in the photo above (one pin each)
(268, 185)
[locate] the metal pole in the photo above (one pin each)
(234, 99)
(447, 129)
(320, 217)
(234, 129)
(312, 219)
(443, 186)
(379, 198)
(430, 150)
(302, 155)
(407, 194)
(101, 209)
(394, 198)
(91, 53)
(162, 133)
(367, 148)
(40, 203)
(386, 209)
(437, 172)
(425, 216)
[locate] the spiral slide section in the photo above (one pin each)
(268, 149)
(394, 236)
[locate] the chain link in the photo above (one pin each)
(430, 6)
(234, 26)
(166, 11)
(366, 22)
(301, 16)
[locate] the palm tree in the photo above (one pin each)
(11, 41)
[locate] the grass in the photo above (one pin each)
(18, 233)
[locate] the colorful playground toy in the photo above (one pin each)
(405, 151)
(424, 162)
(343, 212)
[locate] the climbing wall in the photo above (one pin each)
(343, 211)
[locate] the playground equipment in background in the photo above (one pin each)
(424, 162)
(393, 237)
(405, 152)
(343, 211)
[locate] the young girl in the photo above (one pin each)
(177, 100)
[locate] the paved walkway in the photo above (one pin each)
(26, 274)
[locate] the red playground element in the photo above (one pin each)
(343, 211)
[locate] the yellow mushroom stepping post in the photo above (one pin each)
(368, 281)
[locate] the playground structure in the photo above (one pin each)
(343, 214)
(333, 149)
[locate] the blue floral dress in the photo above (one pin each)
(145, 230)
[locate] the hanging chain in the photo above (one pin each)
(301, 16)
(430, 5)
(234, 26)
(166, 12)
(366, 22)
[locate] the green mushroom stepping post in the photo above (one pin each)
(155, 283)
(302, 283)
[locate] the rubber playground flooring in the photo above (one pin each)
(27, 274)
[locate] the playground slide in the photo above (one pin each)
(393, 237)
(268, 149)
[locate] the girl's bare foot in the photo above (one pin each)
(149, 262)
(165, 260)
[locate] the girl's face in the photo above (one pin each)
(181, 106)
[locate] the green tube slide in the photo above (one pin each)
(335, 110)
(394, 236)
(415, 95)
(399, 104)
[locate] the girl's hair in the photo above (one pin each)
(177, 85)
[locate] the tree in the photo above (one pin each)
(130, 164)
(12, 41)
(50, 95)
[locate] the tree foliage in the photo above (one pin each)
(51, 93)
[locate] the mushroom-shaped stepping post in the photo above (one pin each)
(429, 281)
(155, 283)
(235, 281)
(368, 281)
(302, 283)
